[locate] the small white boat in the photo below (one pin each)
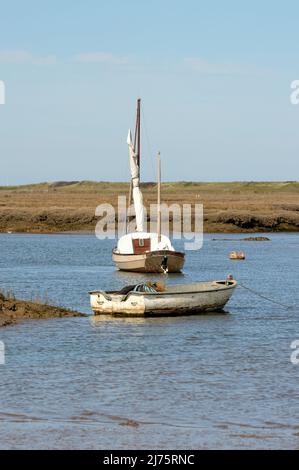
(178, 299)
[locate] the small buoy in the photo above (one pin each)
(237, 255)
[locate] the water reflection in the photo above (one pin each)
(96, 321)
(135, 278)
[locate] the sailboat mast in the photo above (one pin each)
(136, 129)
(138, 133)
(159, 197)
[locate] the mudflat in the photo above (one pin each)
(228, 207)
(13, 311)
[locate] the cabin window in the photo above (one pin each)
(140, 242)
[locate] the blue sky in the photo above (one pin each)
(214, 78)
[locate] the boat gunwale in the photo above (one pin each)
(180, 254)
(232, 284)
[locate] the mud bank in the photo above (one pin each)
(13, 311)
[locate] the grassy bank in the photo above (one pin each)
(13, 310)
(228, 207)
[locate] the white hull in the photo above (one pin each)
(176, 300)
(150, 262)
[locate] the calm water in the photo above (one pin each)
(213, 381)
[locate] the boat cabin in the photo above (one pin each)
(142, 242)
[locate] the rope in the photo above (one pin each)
(264, 297)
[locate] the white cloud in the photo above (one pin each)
(99, 57)
(25, 57)
(50, 59)
(212, 68)
(20, 56)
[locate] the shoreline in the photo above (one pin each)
(92, 232)
(13, 311)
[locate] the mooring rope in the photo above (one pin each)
(264, 297)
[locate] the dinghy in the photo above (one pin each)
(180, 299)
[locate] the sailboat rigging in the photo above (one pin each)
(142, 251)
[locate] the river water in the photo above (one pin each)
(208, 381)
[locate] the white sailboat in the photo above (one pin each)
(142, 251)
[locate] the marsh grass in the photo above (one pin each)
(228, 207)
